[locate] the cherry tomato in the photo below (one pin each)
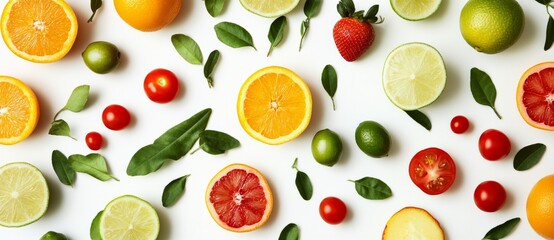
(116, 117)
(459, 124)
(161, 85)
(494, 145)
(489, 196)
(94, 140)
(332, 210)
(432, 170)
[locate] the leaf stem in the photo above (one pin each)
(496, 112)
(333, 102)
(294, 164)
(58, 113)
(195, 150)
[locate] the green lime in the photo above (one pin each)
(414, 75)
(491, 26)
(373, 139)
(51, 235)
(129, 217)
(326, 147)
(269, 8)
(101, 57)
(415, 10)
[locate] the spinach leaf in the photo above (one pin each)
(214, 7)
(303, 183)
(214, 142)
(502, 230)
(94, 6)
(60, 128)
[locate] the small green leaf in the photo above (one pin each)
(233, 35)
(93, 164)
(209, 67)
(62, 168)
(329, 82)
(214, 7)
(187, 48)
(214, 142)
(483, 89)
(543, 2)
(420, 118)
(311, 8)
(276, 32)
(60, 128)
(290, 232)
(78, 99)
(94, 6)
(549, 33)
(95, 227)
(173, 191)
(502, 230)
(529, 156)
(304, 27)
(303, 183)
(372, 188)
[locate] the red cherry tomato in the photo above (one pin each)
(489, 196)
(161, 85)
(494, 145)
(459, 124)
(332, 210)
(432, 170)
(94, 140)
(116, 117)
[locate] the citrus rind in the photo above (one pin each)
(268, 8)
(415, 10)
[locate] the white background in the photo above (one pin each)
(359, 97)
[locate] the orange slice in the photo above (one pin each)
(239, 198)
(535, 96)
(274, 105)
(39, 30)
(19, 111)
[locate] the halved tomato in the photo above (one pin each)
(432, 170)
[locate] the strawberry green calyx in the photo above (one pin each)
(347, 9)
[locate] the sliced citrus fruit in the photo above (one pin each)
(414, 75)
(540, 207)
(274, 105)
(415, 10)
(148, 15)
(413, 223)
(24, 194)
(19, 110)
(128, 217)
(535, 96)
(239, 198)
(269, 8)
(39, 30)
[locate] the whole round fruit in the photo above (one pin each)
(148, 15)
(51, 235)
(491, 26)
(161, 85)
(101, 57)
(116, 117)
(326, 147)
(494, 145)
(540, 207)
(459, 124)
(489, 196)
(94, 140)
(373, 139)
(332, 210)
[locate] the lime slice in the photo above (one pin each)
(414, 75)
(129, 217)
(269, 8)
(23, 194)
(415, 10)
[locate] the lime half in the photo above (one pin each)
(269, 8)
(414, 75)
(415, 10)
(23, 194)
(129, 217)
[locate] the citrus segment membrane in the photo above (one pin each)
(19, 110)
(535, 96)
(269, 8)
(415, 10)
(127, 218)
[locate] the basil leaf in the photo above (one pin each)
(483, 89)
(276, 32)
(94, 6)
(549, 33)
(174, 190)
(311, 8)
(78, 99)
(214, 142)
(502, 230)
(543, 2)
(303, 183)
(60, 128)
(329, 82)
(62, 168)
(95, 227)
(372, 188)
(93, 164)
(529, 156)
(214, 7)
(233, 35)
(290, 232)
(209, 67)
(187, 48)
(420, 118)
(173, 144)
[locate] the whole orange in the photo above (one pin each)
(540, 207)
(148, 15)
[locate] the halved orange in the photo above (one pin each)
(535, 96)
(239, 198)
(274, 105)
(39, 30)
(19, 110)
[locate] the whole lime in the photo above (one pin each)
(326, 147)
(373, 139)
(51, 235)
(491, 26)
(101, 57)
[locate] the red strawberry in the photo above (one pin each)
(353, 33)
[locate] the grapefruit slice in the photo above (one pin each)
(535, 96)
(239, 198)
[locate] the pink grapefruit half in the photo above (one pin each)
(535, 96)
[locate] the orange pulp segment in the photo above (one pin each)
(19, 110)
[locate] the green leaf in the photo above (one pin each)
(529, 156)
(95, 227)
(346, 8)
(303, 183)
(311, 8)
(209, 67)
(549, 33)
(214, 7)
(233, 35)
(420, 118)
(173, 144)
(304, 27)
(173, 191)
(187, 48)
(214, 142)
(543, 2)
(483, 89)
(78, 99)
(94, 6)
(276, 32)
(372, 188)
(502, 230)
(60, 128)
(93, 164)
(329, 82)
(290, 232)
(62, 168)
